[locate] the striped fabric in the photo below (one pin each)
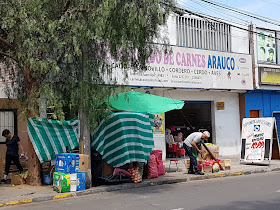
(124, 137)
(51, 137)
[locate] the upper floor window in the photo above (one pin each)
(204, 34)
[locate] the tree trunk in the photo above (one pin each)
(34, 167)
(85, 147)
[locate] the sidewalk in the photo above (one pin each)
(21, 194)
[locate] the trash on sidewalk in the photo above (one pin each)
(16, 180)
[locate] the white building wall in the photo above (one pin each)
(240, 39)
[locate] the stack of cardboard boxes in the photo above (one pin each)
(70, 172)
(205, 157)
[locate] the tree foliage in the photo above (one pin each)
(60, 48)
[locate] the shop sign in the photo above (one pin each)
(220, 105)
(266, 46)
(259, 136)
(183, 67)
(270, 76)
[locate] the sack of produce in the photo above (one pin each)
(135, 174)
(153, 167)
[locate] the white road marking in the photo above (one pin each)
(278, 191)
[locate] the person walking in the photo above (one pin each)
(13, 144)
(190, 143)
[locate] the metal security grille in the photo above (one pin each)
(203, 34)
(7, 121)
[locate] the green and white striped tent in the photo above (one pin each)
(124, 137)
(51, 137)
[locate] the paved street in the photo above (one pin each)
(245, 192)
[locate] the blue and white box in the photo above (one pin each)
(81, 181)
(67, 163)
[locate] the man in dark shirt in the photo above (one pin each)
(12, 143)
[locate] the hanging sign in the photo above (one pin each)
(259, 139)
(184, 67)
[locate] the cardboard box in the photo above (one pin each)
(77, 181)
(16, 180)
(214, 149)
(207, 169)
(83, 163)
(1, 167)
(81, 181)
(225, 162)
(61, 181)
(67, 163)
(73, 182)
(206, 156)
(227, 167)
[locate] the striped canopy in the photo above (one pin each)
(51, 137)
(124, 137)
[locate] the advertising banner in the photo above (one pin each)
(183, 67)
(270, 76)
(266, 46)
(159, 125)
(257, 134)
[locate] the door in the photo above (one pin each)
(277, 118)
(254, 114)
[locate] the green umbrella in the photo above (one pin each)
(142, 102)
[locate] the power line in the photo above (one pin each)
(215, 10)
(272, 3)
(219, 21)
(243, 12)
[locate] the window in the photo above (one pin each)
(203, 34)
(8, 121)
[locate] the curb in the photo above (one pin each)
(139, 185)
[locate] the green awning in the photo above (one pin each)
(51, 137)
(142, 102)
(124, 137)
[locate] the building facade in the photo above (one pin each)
(264, 101)
(208, 66)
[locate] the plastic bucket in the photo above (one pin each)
(47, 180)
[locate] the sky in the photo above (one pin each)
(266, 8)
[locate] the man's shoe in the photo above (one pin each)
(199, 173)
(191, 172)
(4, 180)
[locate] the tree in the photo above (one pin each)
(60, 49)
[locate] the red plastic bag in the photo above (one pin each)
(153, 167)
(158, 154)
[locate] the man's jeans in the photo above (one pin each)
(193, 162)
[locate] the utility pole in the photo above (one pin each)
(84, 141)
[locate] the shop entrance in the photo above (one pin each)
(195, 116)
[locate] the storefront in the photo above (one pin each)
(209, 82)
(264, 101)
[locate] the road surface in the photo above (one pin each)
(260, 191)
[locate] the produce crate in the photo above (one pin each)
(226, 164)
(61, 182)
(207, 169)
(67, 163)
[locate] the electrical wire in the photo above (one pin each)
(217, 20)
(215, 10)
(243, 12)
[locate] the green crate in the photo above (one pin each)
(61, 182)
